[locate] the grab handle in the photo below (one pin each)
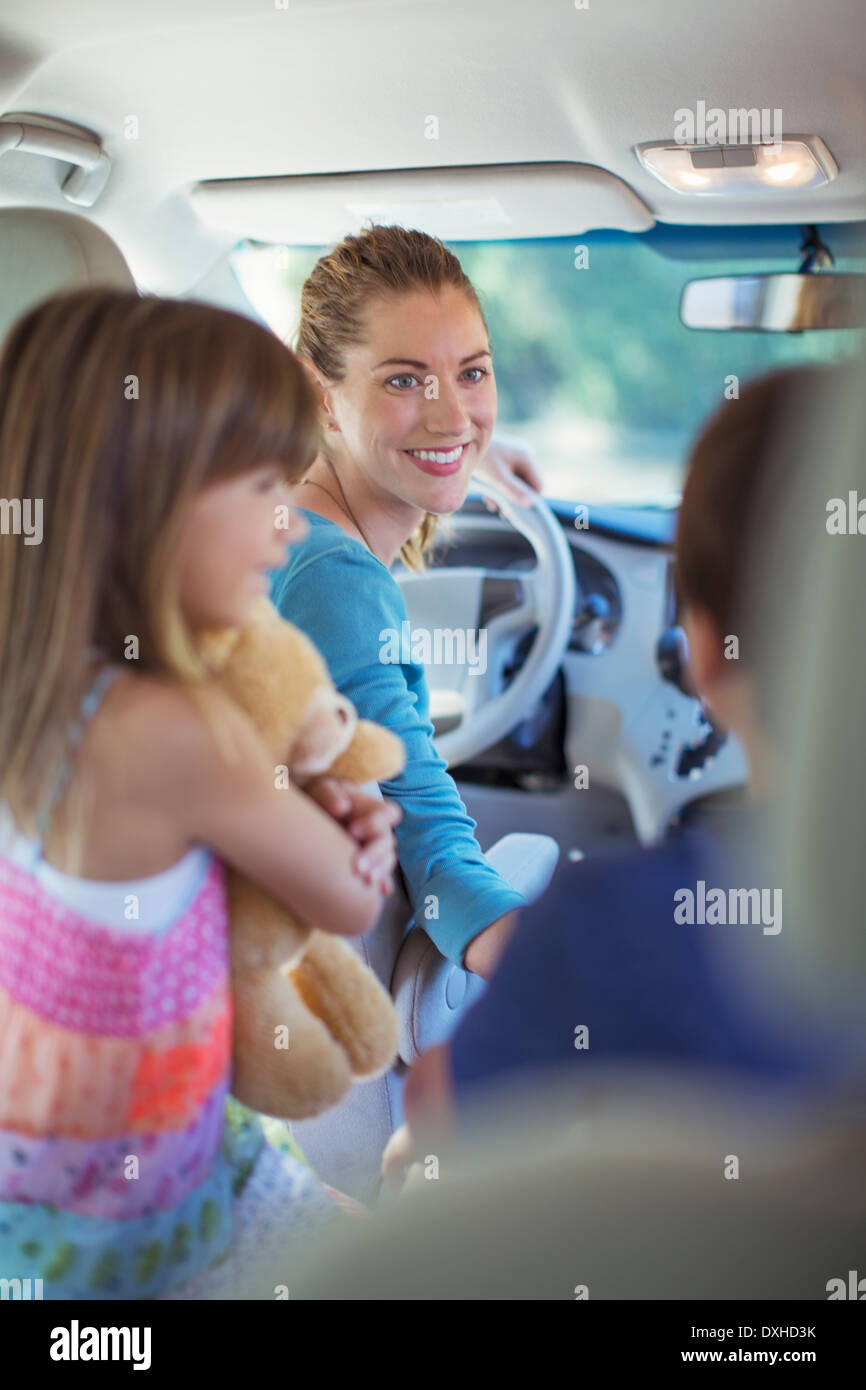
(86, 180)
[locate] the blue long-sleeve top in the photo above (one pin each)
(337, 592)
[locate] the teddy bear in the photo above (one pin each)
(309, 1015)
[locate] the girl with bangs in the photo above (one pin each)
(156, 439)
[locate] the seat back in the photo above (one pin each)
(431, 995)
(43, 252)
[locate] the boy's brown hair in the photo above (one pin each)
(732, 473)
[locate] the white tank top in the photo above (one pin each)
(161, 898)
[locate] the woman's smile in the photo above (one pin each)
(440, 463)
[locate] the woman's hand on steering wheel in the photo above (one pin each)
(510, 464)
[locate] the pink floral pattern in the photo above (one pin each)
(99, 980)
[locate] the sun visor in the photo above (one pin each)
(493, 202)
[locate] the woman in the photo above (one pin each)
(394, 340)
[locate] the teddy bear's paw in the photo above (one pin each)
(340, 990)
(286, 1063)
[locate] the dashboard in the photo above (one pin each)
(617, 715)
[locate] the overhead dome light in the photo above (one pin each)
(800, 162)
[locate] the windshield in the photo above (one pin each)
(594, 369)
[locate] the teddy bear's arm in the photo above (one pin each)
(354, 1006)
(286, 1062)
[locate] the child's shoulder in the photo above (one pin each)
(171, 727)
(144, 702)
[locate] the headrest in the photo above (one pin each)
(43, 251)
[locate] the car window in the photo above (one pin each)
(594, 369)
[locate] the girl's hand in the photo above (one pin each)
(368, 820)
(508, 463)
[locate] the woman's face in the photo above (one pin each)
(230, 539)
(417, 406)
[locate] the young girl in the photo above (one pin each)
(149, 442)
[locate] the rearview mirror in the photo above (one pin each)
(775, 303)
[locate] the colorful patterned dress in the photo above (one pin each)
(122, 1160)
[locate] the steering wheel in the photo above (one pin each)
(487, 612)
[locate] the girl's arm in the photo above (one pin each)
(279, 838)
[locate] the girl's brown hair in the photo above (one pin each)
(379, 261)
(115, 411)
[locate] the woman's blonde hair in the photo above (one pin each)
(378, 262)
(115, 411)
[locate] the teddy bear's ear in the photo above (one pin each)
(274, 649)
(216, 644)
(263, 613)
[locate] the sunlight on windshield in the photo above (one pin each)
(594, 369)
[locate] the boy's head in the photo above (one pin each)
(733, 475)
